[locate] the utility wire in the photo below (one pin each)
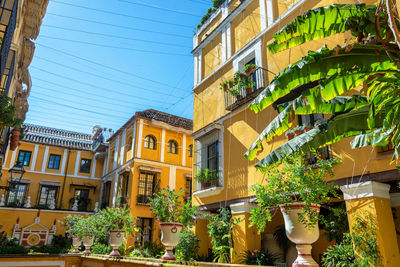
(72, 107)
(119, 14)
(115, 47)
(104, 78)
(50, 120)
(94, 86)
(104, 66)
(161, 8)
(115, 36)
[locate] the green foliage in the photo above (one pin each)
(360, 248)
(334, 222)
(7, 113)
(250, 68)
(296, 181)
(168, 206)
(101, 249)
(188, 246)
(117, 218)
(220, 230)
(87, 226)
(69, 222)
(259, 257)
(282, 240)
(150, 250)
(11, 246)
(206, 175)
(217, 3)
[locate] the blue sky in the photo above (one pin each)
(97, 62)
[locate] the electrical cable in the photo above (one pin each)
(115, 47)
(161, 8)
(119, 14)
(115, 36)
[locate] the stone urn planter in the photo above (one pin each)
(170, 238)
(300, 234)
(88, 242)
(116, 239)
(76, 242)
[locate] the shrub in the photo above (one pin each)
(150, 250)
(259, 257)
(188, 246)
(217, 3)
(341, 254)
(102, 249)
(11, 246)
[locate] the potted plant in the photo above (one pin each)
(169, 208)
(308, 128)
(86, 229)
(7, 118)
(224, 86)
(290, 134)
(72, 231)
(298, 130)
(298, 189)
(207, 177)
(249, 69)
(117, 222)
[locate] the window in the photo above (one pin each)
(386, 149)
(188, 188)
(54, 162)
(172, 147)
(83, 199)
(105, 202)
(212, 156)
(17, 197)
(191, 151)
(310, 119)
(85, 165)
(24, 157)
(47, 193)
(146, 187)
(150, 142)
(143, 236)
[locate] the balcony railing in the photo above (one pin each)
(259, 77)
(10, 8)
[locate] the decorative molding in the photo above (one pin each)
(59, 174)
(78, 157)
(149, 168)
(172, 177)
(206, 130)
(139, 141)
(35, 151)
(162, 164)
(242, 207)
(32, 263)
(212, 191)
(365, 189)
(50, 183)
(64, 161)
(395, 199)
(45, 158)
(162, 145)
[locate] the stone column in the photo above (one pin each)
(244, 238)
(373, 199)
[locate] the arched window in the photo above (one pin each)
(150, 142)
(190, 150)
(172, 147)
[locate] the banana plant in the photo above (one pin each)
(322, 82)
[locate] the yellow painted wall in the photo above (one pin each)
(212, 55)
(216, 21)
(245, 26)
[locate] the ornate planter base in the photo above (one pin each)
(76, 242)
(304, 257)
(170, 238)
(116, 239)
(88, 242)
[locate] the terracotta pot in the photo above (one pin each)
(225, 87)
(15, 133)
(76, 242)
(88, 242)
(298, 132)
(249, 90)
(300, 234)
(308, 128)
(248, 73)
(238, 97)
(170, 238)
(290, 136)
(116, 239)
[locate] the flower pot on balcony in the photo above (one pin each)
(116, 239)
(290, 136)
(239, 97)
(298, 132)
(170, 238)
(249, 90)
(15, 133)
(76, 242)
(308, 128)
(300, 234)
(88, 242)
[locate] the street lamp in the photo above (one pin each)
(16, 173)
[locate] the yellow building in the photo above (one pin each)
(20, 21)
(235, 35)
(151, 150)
(62, 176)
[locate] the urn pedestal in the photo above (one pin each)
(116, 239)
(88, 242)
(76, 242)
(170, 238)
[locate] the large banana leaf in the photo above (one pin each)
(300, 106)
(379, 137)
(345, 125)
(319, 23)
(340, 70)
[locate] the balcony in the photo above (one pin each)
(259, 77)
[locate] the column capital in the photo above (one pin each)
(242, 207)
(365, 189)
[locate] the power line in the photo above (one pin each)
(115, 47)
(47, 119)
(72, 107)
(120, 14)
(104, 66)
(94, 86)
(161, 8)
(115, 36)
(104, 78)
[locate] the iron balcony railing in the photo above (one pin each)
(8, 18)
(259, 77)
